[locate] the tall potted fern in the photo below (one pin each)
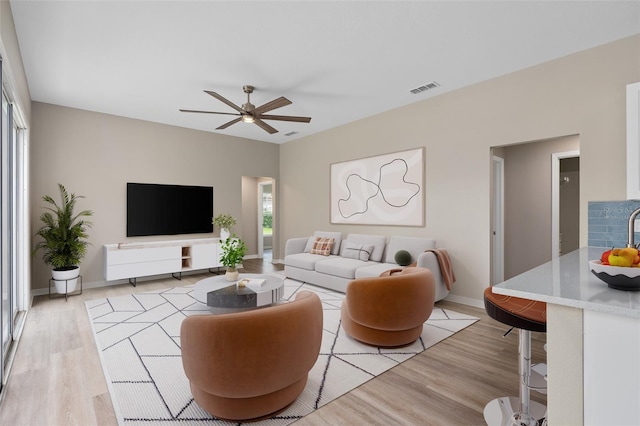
(63, 239)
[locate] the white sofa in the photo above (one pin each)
(337, 269)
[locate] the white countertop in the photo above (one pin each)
(568, 281)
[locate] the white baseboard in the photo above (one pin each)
(85, 285)
(98, 284)
(465, 301)
(255, 256)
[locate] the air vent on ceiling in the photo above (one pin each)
(291, 133)
(424, 88)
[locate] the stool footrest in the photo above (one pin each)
(538, 378)
(500, 412)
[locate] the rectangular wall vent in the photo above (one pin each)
(291, 133)
(424, 88)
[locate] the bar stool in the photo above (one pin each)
(527, 316)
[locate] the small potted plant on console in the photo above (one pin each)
(63, 241)
(225, 222)
(233, 250)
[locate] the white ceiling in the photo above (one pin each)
(338, 61)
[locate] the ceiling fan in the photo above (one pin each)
(249, 113)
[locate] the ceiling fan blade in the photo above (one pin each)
(208, 112)
(286, 118)
(223, 99)
(265, 126)
(225, 125)
(276, 103)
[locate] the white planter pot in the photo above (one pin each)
(65, 280)
(232, 274)
(224, 234)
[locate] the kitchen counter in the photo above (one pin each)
(593, 341)
(568, 281)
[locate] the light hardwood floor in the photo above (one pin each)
(57, 378)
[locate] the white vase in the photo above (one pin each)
(231, 274)
(65, 279)
(224, 234)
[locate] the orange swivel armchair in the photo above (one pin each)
(252, 364)
(389, 310)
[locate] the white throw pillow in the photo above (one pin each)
(309, 245)
(356, 251)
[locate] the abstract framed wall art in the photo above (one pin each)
(385, 189)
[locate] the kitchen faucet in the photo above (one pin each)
(632, 218)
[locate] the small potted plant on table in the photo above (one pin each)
(233, 251)
(63, 241)
(225, 222)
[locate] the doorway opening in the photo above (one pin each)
(265, 220)
(534, 187)
(497, 221)
(258, 217)
(565, 202)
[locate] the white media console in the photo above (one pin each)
(133, 260)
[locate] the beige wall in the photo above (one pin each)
(95, 155)
(581, 94)
(527, 202)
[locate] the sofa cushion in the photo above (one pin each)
(413, 245)
(340, 266)
(356, 251)
(322, 246)
(377, 241)
(374, 269)
(337, 238)
(304, 260)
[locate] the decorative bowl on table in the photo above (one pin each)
(618, 277)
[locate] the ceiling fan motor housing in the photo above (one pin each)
(248, 107)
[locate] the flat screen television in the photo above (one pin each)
(155, 209)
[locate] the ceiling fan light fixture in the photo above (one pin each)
(248, 118)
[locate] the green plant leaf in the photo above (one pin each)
(233, 251)
(63, 234)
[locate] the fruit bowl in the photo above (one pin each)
(618, 277)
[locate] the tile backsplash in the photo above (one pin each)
(609, 223)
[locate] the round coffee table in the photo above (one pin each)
(222, 296)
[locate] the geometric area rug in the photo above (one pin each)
(138, 338)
